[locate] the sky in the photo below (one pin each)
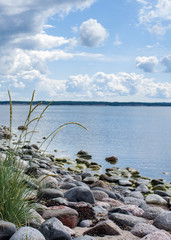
(86, 50)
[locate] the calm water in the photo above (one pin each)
(139, 136)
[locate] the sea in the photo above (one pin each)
(139, 136)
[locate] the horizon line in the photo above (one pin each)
(105, 103)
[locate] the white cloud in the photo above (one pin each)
(156, 16)
(25, 47)
(147, 63)
(117, 41)
(166, 61)
(41, 41)
(111, 85)
(92, 33)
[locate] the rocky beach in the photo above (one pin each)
(73, 200)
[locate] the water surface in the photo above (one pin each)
(139, 136)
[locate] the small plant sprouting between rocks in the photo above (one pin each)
(15, 205)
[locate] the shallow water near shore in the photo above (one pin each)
(139, 136)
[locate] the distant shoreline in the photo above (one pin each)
(92, 103)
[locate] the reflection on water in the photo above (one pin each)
(139, 136)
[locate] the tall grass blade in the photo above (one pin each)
(10, 111)
(58, 130)
(40, 118)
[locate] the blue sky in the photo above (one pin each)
(102, 50)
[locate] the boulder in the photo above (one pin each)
(158, 235)
(142, 229)
(66, 215)
(155, 199)
(130, 209)
(49, 193)
(28, 233)
(47, 182)
(152, 212)
(104, 228)
(7, 229)
(111, 194)
(163, 221)
(99, 195)
(111, 159)
(78, 194)
(133, 200)
(125, 220)
(84, 210)
(53, 229)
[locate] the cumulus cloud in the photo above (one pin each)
(107, 86)
(92, 33)
(166, 61)
(25, 47)
(156, 16)
(147, 63)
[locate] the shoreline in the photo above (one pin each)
(84, 205)
(92, 103)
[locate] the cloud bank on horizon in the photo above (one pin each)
(86, 50)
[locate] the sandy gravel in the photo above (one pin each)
(125, 235)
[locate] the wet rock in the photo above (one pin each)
(143, 188)
(7, 229)
(49, 193)
(104, 228)
(54, 229)
(124, 182)
(152, 212)
(84, 154)
(159, 187)
(111, 159)
(163, 221)
(78, 194)
(22, 128)
(125, 220)
(161, 193)
(66, 215)
(89, 180)
(155, 199)
(28, 233)
(35, 146)
(142, 229)
(155, 182)
(110, 179)
(142, 181)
